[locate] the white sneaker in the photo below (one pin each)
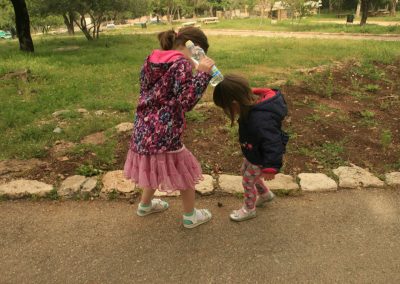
(262, 199)
(157, 205)
(200, 216)
(242, 214)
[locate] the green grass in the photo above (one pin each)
(195, 116)
(328, 154)
(305, 25)
(104, 75)
(87, 171)
(386, 138)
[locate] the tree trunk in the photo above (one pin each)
(393, 5)
(358, 9)
(364, 11)
(69, 22)
(211, 12)
(83, 27)
(330, 5)
(23, 26)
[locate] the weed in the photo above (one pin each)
(4, 197)
(313, 117)
(343, 117)
(386, 138)
(367, 114)
(195, 116)
(384, 105)
(359, 95)
(397, 165)
(53, 194)
(87, 170)
(112, 195)
(368, 118)
(329, 85)
(328, 154)
(371, 88)
(321, 83)
(85, 196)
(325, 108)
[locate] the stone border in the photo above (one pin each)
(113, 185)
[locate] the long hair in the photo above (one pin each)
(171, 39)
(234, 88)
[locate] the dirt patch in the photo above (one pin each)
(12, 169)
(213, 142)
(347, 114)
(94, 139)
(61, 148)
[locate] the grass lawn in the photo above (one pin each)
(305, 25)
(333, 16)
(104, 74)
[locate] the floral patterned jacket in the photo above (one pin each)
(168, 89)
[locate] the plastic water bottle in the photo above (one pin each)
(197, 53)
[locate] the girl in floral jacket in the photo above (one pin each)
(157, 159)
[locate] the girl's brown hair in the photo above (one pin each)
(234, 88)
(171, 39)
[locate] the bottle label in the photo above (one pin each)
(215, 72)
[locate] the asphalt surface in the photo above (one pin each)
(341, 237)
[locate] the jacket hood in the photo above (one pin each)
(158, 64)
(165, 56)
(275, 104)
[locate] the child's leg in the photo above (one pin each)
(147, 196)
(193, 217)
(188, 197)
(251, 174)
(261, 187)
(264, 193)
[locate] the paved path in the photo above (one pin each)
(317, 35)
(342, 237)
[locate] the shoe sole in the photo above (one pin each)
(197, 224)
(151, 212)
(243, 219)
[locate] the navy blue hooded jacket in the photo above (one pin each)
(261, 137)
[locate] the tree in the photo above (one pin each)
(47, 13)
(364, 11)
(23, 26)
(301, 8)
(7, 15)
(41, 17)
(393, 5)
(358, 9)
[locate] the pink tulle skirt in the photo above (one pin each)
(170, 171)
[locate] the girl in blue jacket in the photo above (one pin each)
(260, 113)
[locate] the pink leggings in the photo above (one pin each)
(252, 183)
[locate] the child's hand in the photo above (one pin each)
(205, 64)
(268, 176)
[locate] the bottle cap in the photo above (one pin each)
(189, 44)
